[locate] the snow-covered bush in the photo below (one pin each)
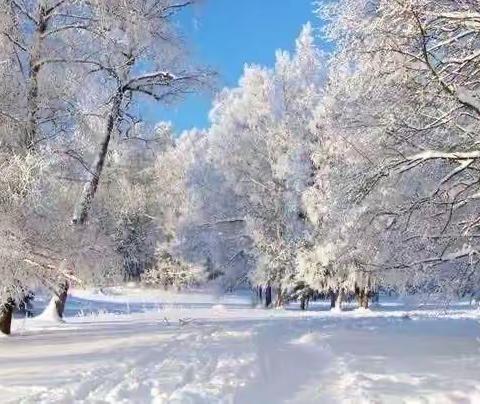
(19, 175)
(171, 272)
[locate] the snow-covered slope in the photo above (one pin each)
(137, 346)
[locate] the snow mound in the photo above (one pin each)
(219, 335)
(50, 313)
(311, 338)
(362, 311)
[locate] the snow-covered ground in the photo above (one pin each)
(137, 346)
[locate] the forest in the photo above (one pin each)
(316, 241)
(346, 173)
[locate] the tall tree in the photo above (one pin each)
(261, 139)
(140, 59)
(404, 109)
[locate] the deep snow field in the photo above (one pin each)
(142, 346)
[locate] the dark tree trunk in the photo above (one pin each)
(333, 299)
(303, 303)
(268, 296)
(6, 314)
(364, 293)
(61, 299)
(364, 302)
(90, 187)
(362, 298)
(25, 305)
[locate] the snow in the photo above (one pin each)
(130, 345)
(50, 313)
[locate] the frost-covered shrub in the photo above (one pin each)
(173, 272)
(18, 178)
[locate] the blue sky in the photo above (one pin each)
(226, 34)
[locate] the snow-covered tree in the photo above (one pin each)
(170, 206)
(260, 139)
(395, 182)
(18, 186)
(71, 76)
(127, 205)
(214, 232)
(139, 59)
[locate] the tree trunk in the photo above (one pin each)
(362, 298)
(6, 314)
(61, 299)
(280, 298)
(339, 301)
(258, 296)
(268, 296)
(303, 303)
(333, 299)
(336, 299)
(365, 301)
(31, 129)
(25, 305)
(90, 187)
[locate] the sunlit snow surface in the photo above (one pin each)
(135, 346)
